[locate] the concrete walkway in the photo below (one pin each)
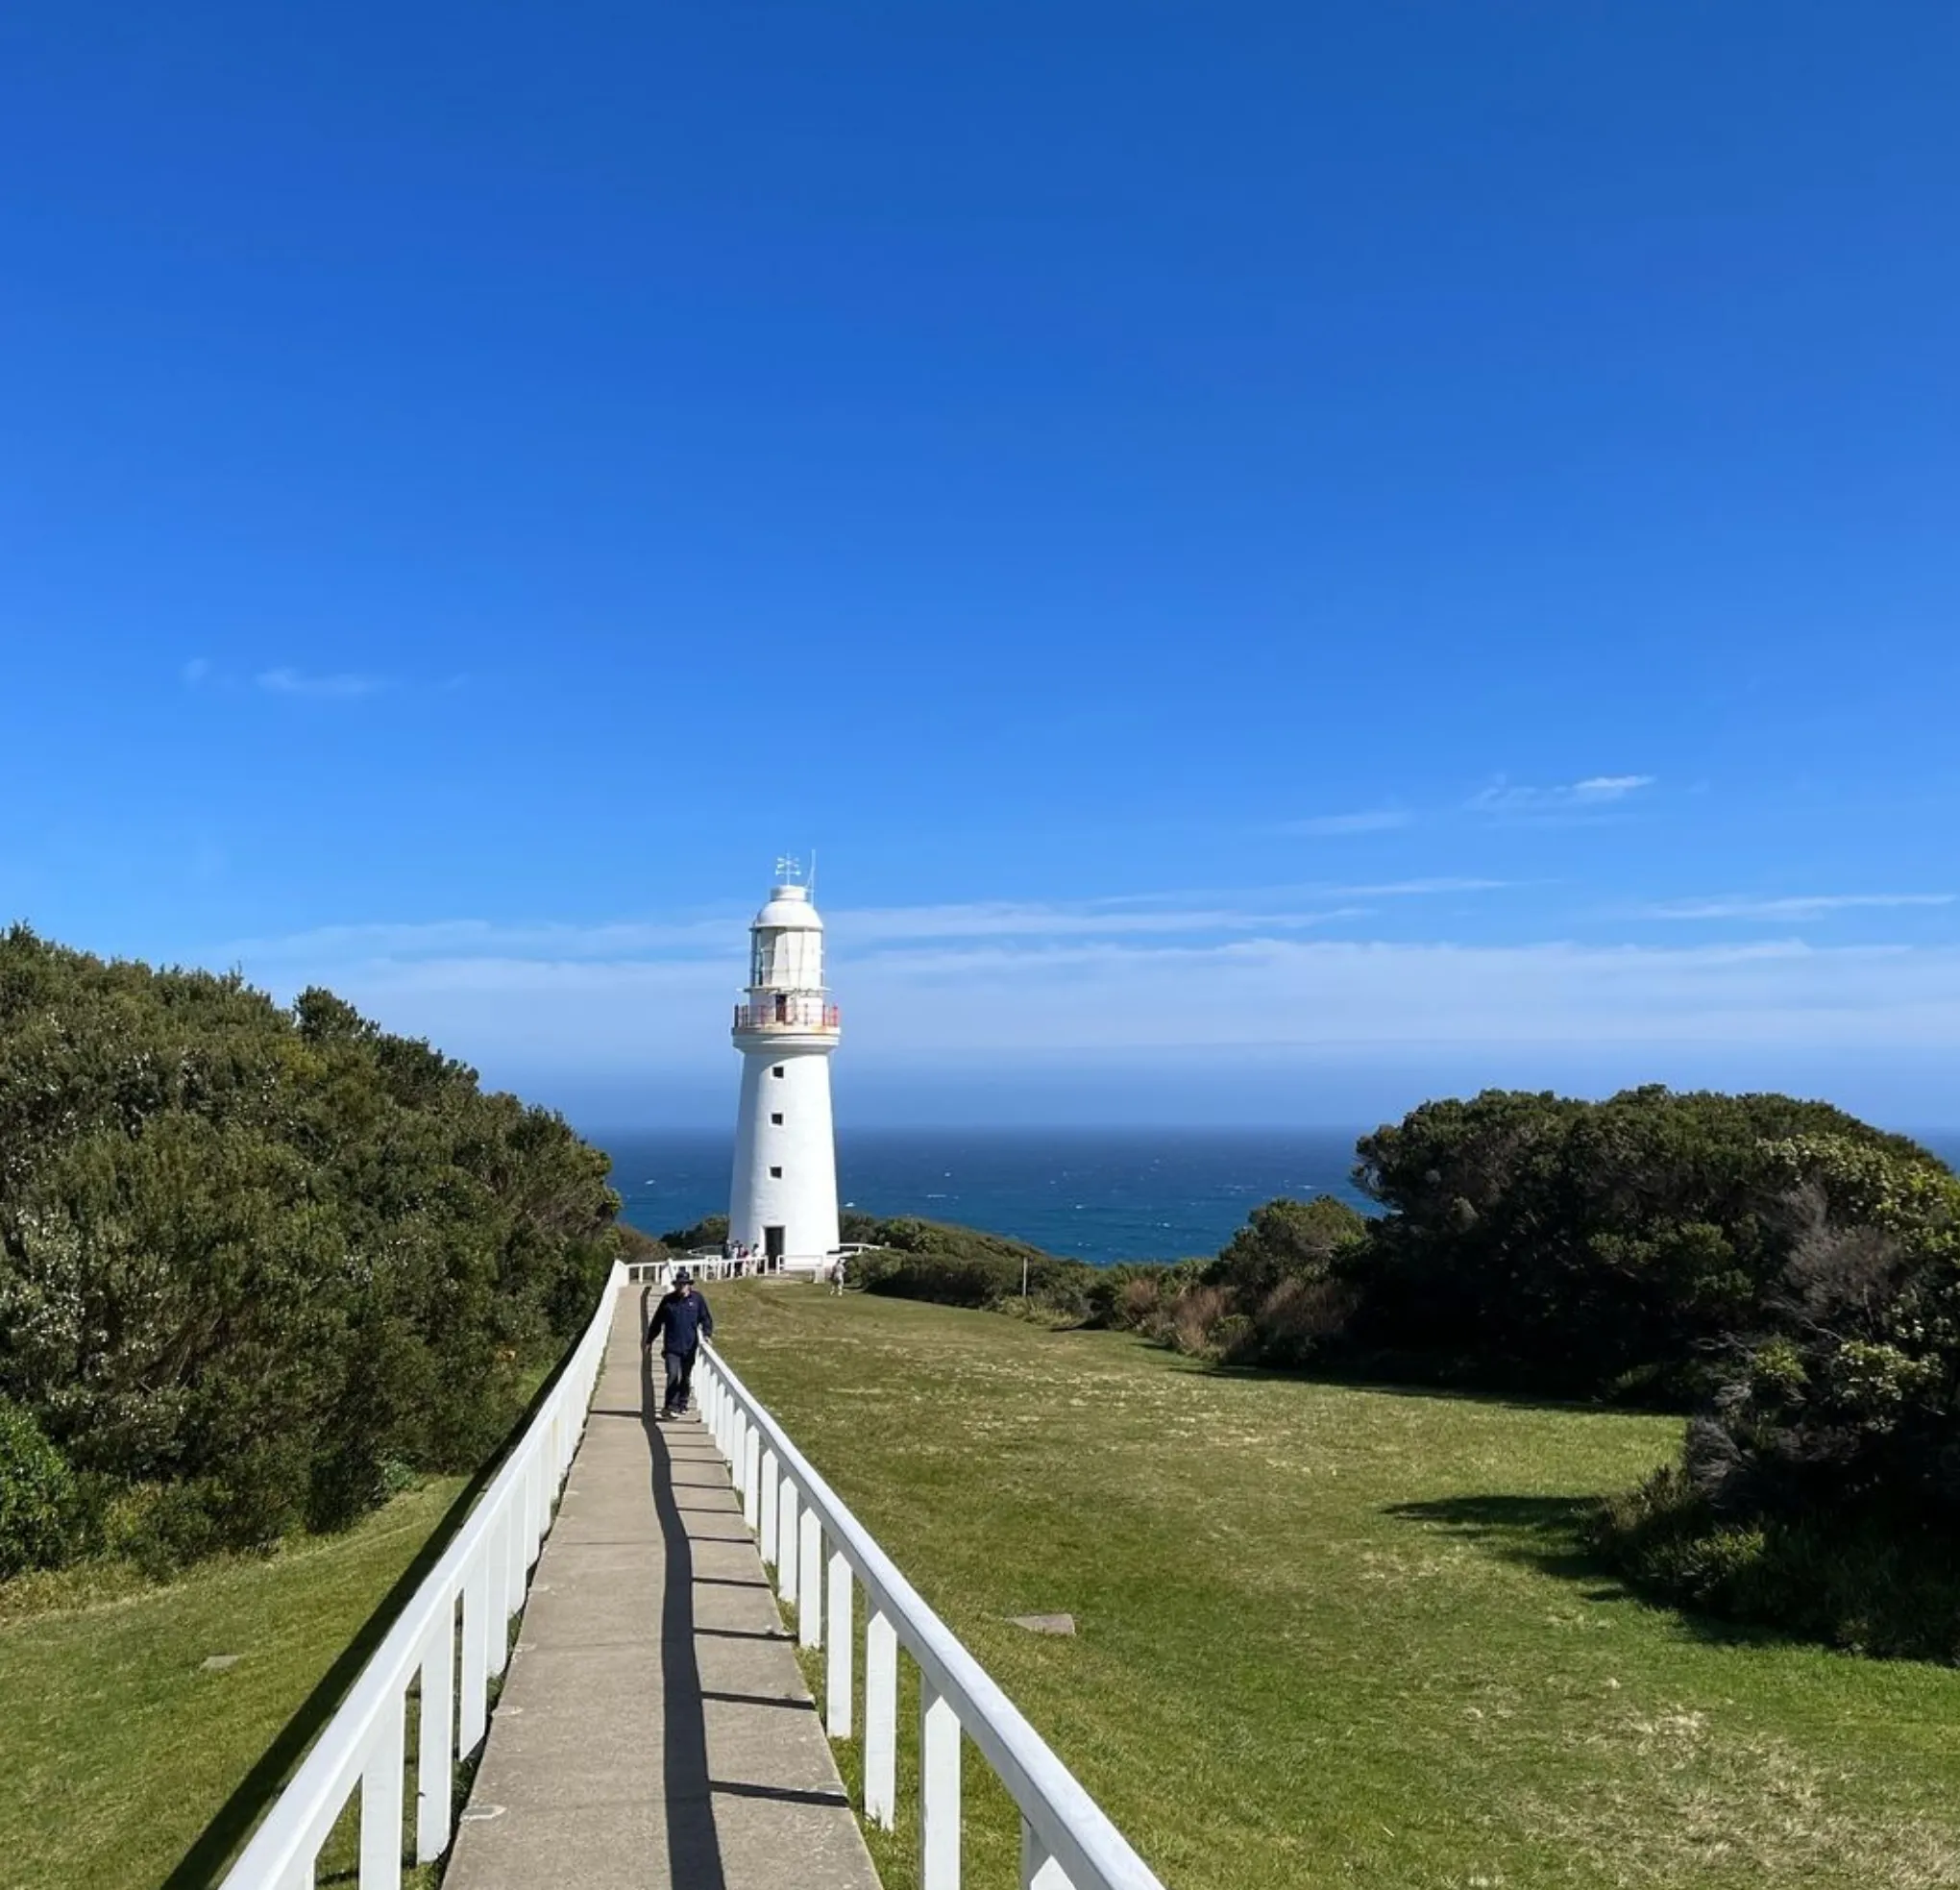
(654, 1731)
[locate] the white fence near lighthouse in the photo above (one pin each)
(448, 1644)
(821, 1553)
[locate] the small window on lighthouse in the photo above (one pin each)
(776, 1174)
(777, 1070)
(777, 1119)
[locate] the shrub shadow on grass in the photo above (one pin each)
(1543, 1532)
(1390, 1387)
(1549, 1533)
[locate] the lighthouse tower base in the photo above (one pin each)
(783, 1202)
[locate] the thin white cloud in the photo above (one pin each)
(1324, 992)
(195, 672)
(1008, 918)
(1202, 971)
(1309, 891)
(1398, 889)
(1595, 792)
(456, 940)
(1811, 906)
(1002, 997)
(1373, 820)
(342, 687)
(1272, 911)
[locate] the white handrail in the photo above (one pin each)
(1067, 1841)
(485, 1568)
(711, 1267)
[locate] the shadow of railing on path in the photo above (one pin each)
(694, 1849)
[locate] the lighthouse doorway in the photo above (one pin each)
(772, 1246)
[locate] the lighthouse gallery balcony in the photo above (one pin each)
(786, 1011)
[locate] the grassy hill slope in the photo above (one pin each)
(1341, 1635)
(120, 1749)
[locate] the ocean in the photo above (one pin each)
(1097, 1195)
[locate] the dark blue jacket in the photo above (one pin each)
(680, 1323)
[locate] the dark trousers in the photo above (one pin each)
(679, 1379)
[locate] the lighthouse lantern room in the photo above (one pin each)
(783, 1202)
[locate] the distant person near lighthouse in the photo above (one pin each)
(680, 1323)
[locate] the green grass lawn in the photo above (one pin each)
(1331, 1635)
(126, 1765)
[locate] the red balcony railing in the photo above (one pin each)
(786, 1014)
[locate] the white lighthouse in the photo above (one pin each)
(783, 1203)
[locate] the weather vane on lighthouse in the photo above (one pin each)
(782, 1202)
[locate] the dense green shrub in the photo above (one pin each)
(710, 1232)
(931, 1260)
(255, 1259)
(37, 1495)
(1533, 1242)
(1282, 1296)
(1287, 1241)
(1130, 1296)
(1883, 1586)
(1820, 1488)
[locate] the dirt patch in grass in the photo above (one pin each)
(1749, 1805)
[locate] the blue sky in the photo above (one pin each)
(1284, 558)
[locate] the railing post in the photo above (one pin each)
(809, 1584)
(771, 1516)
(533, 1507)
(751, 1475)
(837, 1675)
(938, 1791)
(514, 1571)
(1039, 1870)
(435, 1738)
(520, 1517)
(381, 1804)
(786, 1542)
(475, 1703)
(497, 1615)
(881, 1720)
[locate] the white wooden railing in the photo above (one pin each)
(704, 1267)
(712, 1266)
(363, 1746)
(818, 1550)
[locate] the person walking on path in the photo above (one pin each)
(680, 1323)
(837, 1278)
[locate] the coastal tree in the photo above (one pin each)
(257, 1264)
